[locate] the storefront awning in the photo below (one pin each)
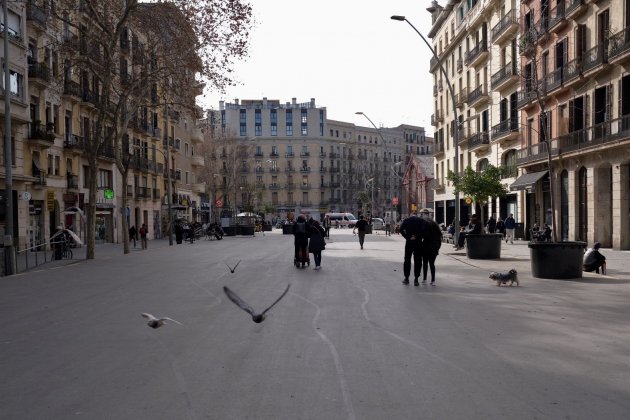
(527, 181)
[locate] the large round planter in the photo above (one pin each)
(287, 229)
(245, 230)
(486, 246)
(229, 230)
(557, 260)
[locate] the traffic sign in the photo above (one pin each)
(468, 200)
(395, 201)
(219, 203)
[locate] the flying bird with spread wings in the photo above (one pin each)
(257, 318)
(232, 269)
(155, 322)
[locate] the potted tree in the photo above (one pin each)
(480, 186)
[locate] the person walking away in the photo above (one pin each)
(143, 236)
(327, 226)
(133, 235)
(179, 232)
(473, 228)
(412, 229)
(316, 243)
(510, 225)
(492, 224)
(500, 227)
(361, 226)
(594, 260)
(300, 241)
(388, 226)
(431, 243)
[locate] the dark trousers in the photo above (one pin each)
(361, 238)
(429, 260)
(461, 239)
(317, 256)
(412, 248)
(327, 231)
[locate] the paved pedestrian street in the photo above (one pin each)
(346, 342)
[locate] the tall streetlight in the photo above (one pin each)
(378, 131)
(371, 181)
(456, 125)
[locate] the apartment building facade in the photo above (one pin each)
(53, 108)
(292, 158)
(476, 45)
(575, 100)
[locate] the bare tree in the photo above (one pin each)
(124, 56)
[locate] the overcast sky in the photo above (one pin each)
(347, 54)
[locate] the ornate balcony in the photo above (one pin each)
(575, 8)
(504, 78)
(461, 97)
(557, 17)
(478, 96)
(505, 131)
(507, 26)
(478, 142)
(477, 54)
(595, 57)
(619, 46)
(38, 74)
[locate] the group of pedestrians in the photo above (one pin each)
(423, 241)
(142, 232)
(308, 238)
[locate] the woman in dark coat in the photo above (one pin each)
(431, 243)
(300, 234)
(316, 244)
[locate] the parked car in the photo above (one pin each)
(342, 219)
(378, 223)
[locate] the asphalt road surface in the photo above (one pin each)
(347, 342)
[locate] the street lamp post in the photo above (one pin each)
(454, 105)
(371, 181)
(379, 134)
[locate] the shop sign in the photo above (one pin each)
(50, 200)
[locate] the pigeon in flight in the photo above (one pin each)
(257, 318)
(158, 322)
(232, 269)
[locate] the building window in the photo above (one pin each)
(274, 130)
(16, 83)
(258, 122)
(304, 122)
(243, 122)
(321, 122)
(289, 122)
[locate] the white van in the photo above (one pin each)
(342, 219)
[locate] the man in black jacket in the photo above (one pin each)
(361, 226)
(412, 229)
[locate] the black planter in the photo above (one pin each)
(557, 260)
(287, 229)
(485, 246)
(245, 230)
(229, 230)
(267, 227)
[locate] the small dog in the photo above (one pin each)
(502, 278)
